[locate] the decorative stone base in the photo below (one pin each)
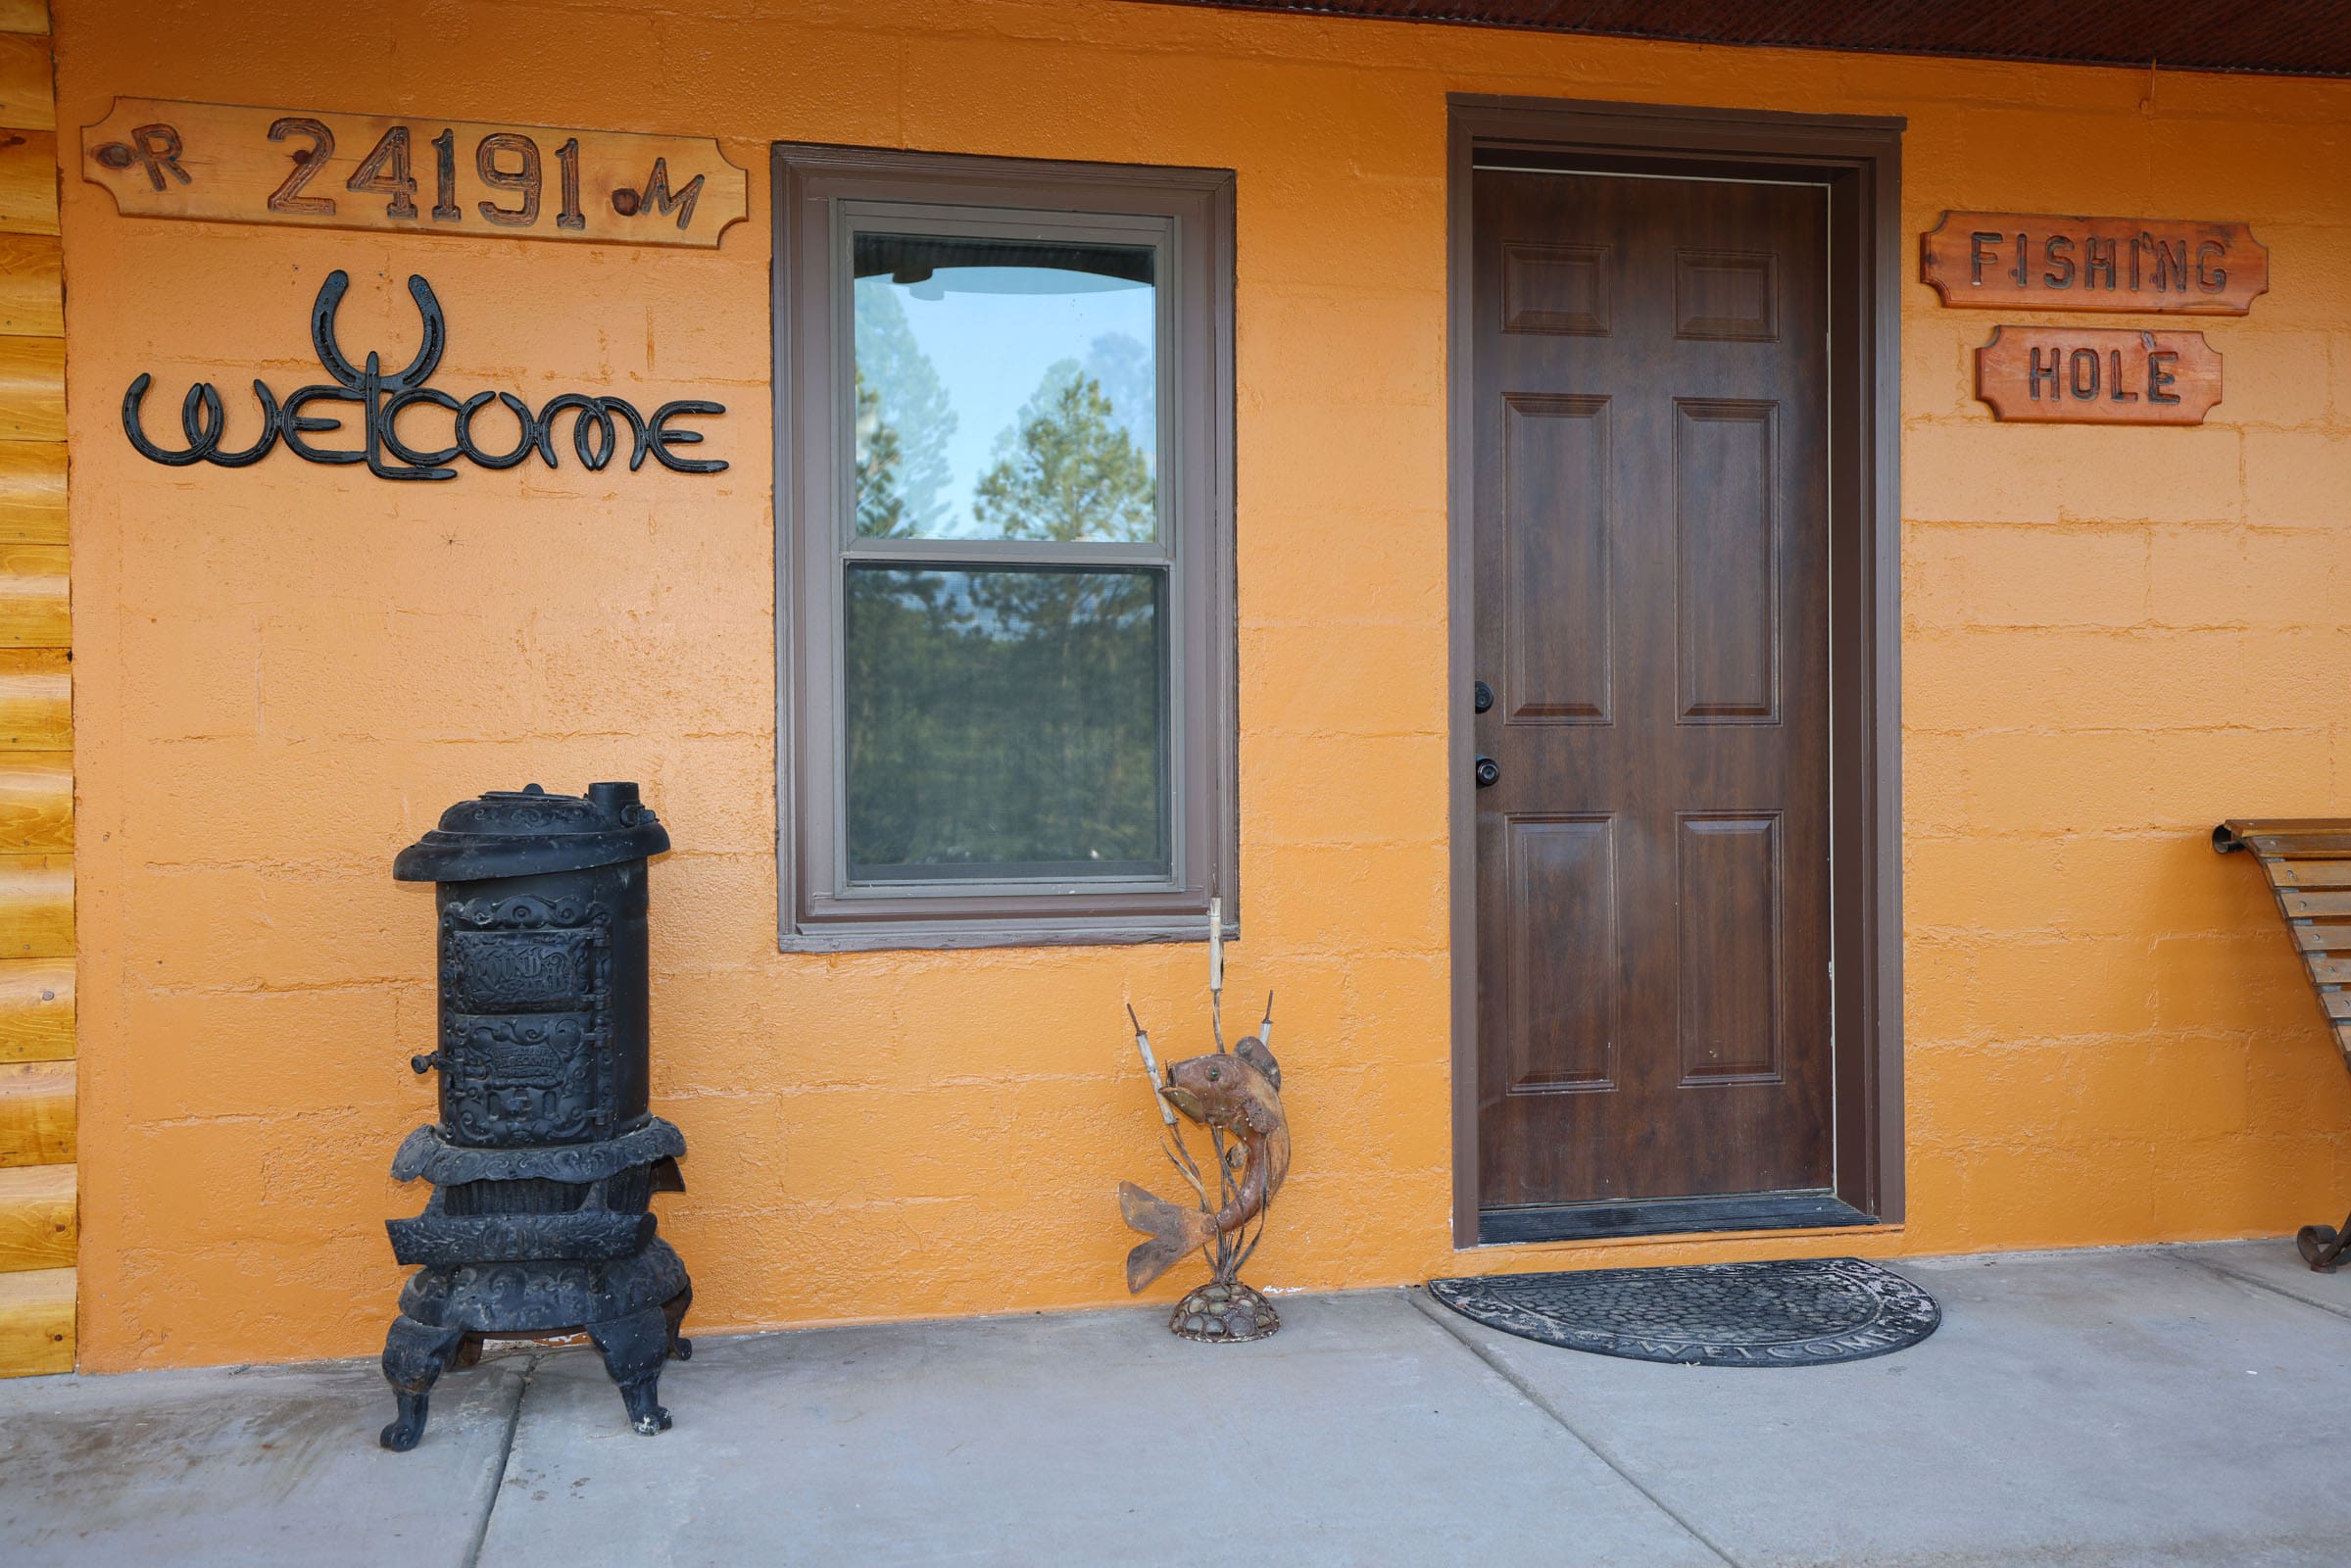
(1229, 1313)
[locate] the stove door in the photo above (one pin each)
(528, 1079)
(526, 1030)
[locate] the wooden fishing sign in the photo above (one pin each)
(229, 162)
(2046, 261)
(2097, 375)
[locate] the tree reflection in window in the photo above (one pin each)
(1005, 723)
(1072, 472)
(1003, 720)
(900, 484)
(948, 331)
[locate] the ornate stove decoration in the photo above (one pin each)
(545, 1158)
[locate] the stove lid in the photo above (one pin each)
(528, 832)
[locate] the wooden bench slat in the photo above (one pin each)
(2245, 827)
(2301, 905)
(2310, 873)
(2294, 845)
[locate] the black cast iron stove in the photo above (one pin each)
(545, 1158)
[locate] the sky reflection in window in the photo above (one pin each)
(1005, 389)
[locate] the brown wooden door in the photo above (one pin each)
(1651, 595)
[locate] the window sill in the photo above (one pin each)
(1039, 932)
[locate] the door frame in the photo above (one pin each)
(1859, 159)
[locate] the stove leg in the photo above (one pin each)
(634, 1347)
(673, 1310)
(415, 1357)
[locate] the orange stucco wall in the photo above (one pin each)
(2110, 639)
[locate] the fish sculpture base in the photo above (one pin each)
(1231, 1314)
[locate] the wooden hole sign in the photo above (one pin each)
(2097, 375)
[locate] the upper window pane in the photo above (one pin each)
(1005, 389)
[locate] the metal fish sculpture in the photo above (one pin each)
(1240, 1095)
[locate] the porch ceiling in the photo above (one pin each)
(2285, 38)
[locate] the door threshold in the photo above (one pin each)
(1666, 1216)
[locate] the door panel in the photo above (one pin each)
(1564, 959)
(1560, 594)
(1727, 562)
(1649, 586)
(1731, 996)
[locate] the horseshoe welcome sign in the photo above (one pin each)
(230, 163)
(383, 396)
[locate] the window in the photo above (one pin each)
(1005, 549)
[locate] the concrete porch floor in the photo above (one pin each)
(2160, 1405)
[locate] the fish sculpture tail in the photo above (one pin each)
(1170, 1231)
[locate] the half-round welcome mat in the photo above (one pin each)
(1796, 1312)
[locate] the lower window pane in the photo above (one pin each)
(1006, 725)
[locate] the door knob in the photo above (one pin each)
(1480, 697)
(1490, 772)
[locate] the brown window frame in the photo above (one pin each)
(818, 192)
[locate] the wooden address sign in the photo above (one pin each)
(2097, 375)
(227, 163)
(2037, 261)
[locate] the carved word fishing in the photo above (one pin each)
(383, 398)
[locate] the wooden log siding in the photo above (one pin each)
(37, 1113)
(39, 1222)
